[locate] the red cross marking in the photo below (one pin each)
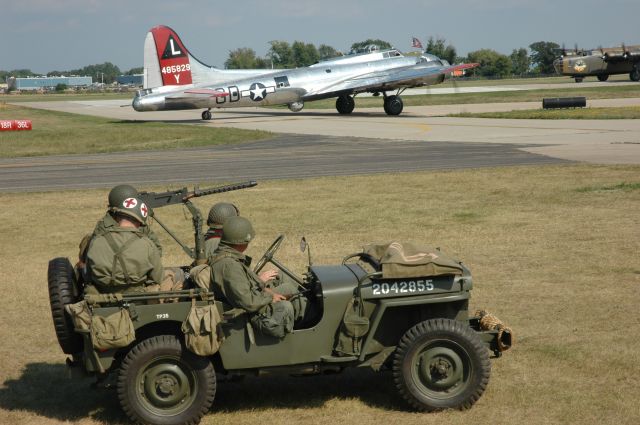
(144, 209)
(130, 202)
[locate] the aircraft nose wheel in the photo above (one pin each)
(206, 115)
(393, 105)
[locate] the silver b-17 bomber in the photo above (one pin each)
(600, 62)
(174, 79)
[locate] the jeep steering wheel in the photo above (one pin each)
(269, 253)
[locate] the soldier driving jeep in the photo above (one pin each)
(274, 304)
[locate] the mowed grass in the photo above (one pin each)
(617, 113)
(602, 92)
(553, 250)
(57, 133)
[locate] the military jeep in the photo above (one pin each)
(418, 327)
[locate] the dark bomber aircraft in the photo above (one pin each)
(600, 62)
(174, 79)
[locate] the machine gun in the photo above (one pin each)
(183, 196)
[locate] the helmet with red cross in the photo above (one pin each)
(133, 208)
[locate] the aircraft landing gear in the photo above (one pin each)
(579, 79)
(603, 77)
(345, 104)
(206, 115)
(634, 75)
(393, 105)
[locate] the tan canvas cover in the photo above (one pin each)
(400, 260)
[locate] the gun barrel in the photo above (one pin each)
(228, 188)
(173, 197)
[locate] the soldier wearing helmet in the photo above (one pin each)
(218, 214)
(274, 307)
(122, 258)
(117, 196)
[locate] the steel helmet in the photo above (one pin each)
(133, 208)
(237, 231)
(119, 193)
(219, 213)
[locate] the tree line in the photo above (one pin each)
(299, 54)
(520, 62)
(104, 72)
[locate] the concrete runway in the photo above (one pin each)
(322, 142)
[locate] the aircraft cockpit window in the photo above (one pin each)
(281, 81)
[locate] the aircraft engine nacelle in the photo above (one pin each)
(296, 106)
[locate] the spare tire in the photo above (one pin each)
(63, 291)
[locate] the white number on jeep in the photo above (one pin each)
(404, 287)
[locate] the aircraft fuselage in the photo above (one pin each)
(277, 87)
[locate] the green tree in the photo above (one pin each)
(542, 56)
(519, 61)
(280, 54)
(21, 73)
(242, 58)
(492, 63)
(327, 52)
(304, 54)
(361, 46)
(135, 71)
(106, 72)
(437, 47)
(60, 87)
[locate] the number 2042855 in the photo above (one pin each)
(403, 287)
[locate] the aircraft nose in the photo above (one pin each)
(558, 65)
(136, 104)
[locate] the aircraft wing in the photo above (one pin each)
(413, 76)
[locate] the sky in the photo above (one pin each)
(48, 35)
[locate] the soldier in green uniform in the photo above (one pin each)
(117, 196)
(122, 258)
(218, 214)
(274, 307)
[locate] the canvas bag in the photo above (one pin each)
(353, 327)
(202, 331)
(80, 315)
(113, 331)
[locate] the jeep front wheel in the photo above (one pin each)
(441, 364)
(161, 382)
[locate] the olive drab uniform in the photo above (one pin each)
(233, 281)
(105, 224)
(123, 260)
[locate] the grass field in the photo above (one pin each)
(63, 133)
(554, 253)
(603, 92)
(629, 112)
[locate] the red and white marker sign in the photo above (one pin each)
(11, 125)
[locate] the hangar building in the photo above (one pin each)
(39, 83)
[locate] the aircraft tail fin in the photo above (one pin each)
(167, 62)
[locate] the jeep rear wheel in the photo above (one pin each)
(441, 364)
(63, 291)
(161, 382)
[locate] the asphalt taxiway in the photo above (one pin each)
(322, 142)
